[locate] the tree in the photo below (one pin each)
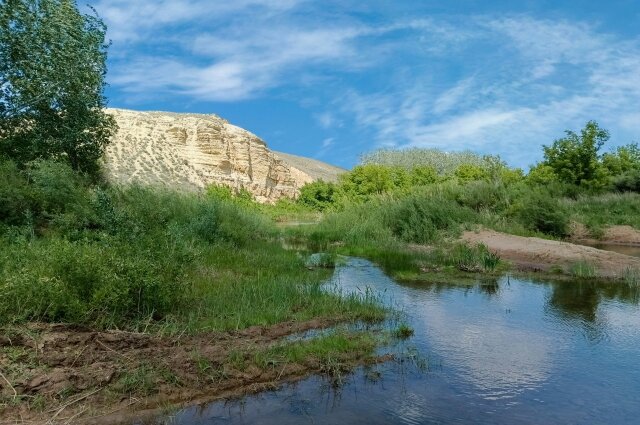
(365, 180)
(623, 160)
(318, 195)
(575, 159)
(52, 69)
(470, 172)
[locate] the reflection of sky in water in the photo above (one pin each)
(493, 348)
(516, 352)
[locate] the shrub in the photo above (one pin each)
(16, 196)
(575, 159)
(423, 175)
(420, 219)
(470, 172)
(481, 195)
(627, 182)
(318, 195)
(542, 213)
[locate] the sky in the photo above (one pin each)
(334, 79)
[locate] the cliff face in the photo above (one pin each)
(192, 151)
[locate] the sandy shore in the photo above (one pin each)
(544, 255)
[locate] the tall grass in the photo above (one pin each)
(600, 211)
(110, 257)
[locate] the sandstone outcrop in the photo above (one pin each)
(192, 151)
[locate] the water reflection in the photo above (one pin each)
(507, 351)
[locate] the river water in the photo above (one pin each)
(508, 351)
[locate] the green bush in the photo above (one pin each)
(542, 213)
(128, 261)
(627, 182)
(420, 219)
(482, 195)
(319, 195)
(16, 196)
(469, 172)
(46, 194)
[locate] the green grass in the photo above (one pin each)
(150, 259)
(332, 352)
(583, 270)
(403, 331)
(601, 211)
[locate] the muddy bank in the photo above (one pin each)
(547, 255)
(64, 374)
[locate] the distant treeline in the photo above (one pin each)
(572, 165)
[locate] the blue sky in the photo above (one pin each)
(333, 79)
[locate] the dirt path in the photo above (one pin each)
(542, 254)
(63, 374)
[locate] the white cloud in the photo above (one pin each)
(129, 21)
(327, 142)
(494, 84)
(238, 59)
(448, 100)
(544, 77)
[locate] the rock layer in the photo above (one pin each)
(192, 151)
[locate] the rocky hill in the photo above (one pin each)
(192, 151)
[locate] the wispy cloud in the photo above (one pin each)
(546, 77)
(500, 83)
(131, 21)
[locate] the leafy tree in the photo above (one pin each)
(623, 160)
(365, 180)
(470, 172)
(423, 175)
(52, 69)
(575, 159)
(318, 195)
(541, 174)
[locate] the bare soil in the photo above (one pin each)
(544, 255)
(65, 374)
(615, 235)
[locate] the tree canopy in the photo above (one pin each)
(52, 69)
(575, 158)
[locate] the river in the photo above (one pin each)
(507, 351)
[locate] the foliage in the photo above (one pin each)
(45, 191)
(445, 163)
(575, 158)
(472, 258)
(540, 212)
(627, 182)
(423, 175)
(420, 219)
(623, 160)
(482, 195)
(470, 172)
(318, 195)
(542, 175)
(598, 212)
(366, 180)
(52, 69)
(121, 257)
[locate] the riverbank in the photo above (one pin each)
(61, 373)
(112, 295)
(536, 254)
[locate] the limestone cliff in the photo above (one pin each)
(191, 151)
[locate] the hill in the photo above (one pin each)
(192, 151)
